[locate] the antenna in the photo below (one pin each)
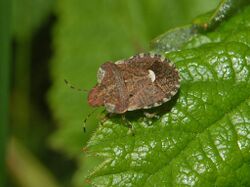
(73, 87)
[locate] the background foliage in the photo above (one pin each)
(81, 35)
(120, 29)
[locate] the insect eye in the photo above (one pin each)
(130, 95)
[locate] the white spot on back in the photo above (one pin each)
(100, 75)
(151, 75)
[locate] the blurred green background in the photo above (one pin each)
(43, 42)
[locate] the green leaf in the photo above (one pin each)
(177, 38)
(224, 10)
(202, 137)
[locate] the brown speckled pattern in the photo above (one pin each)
(143, 81)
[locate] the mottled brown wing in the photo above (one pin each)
(146, 97)
(111, 89)
(150, 81)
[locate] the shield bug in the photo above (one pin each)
(141, 82)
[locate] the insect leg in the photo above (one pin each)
(128, 124)
(104, 118)
(86, 119)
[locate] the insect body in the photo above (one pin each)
(141, 82)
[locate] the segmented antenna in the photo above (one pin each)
(80, 90)
(73, 87)
(85, 120)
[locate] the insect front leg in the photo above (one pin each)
(104, 117)
(128, 124)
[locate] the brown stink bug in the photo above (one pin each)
(140, 82)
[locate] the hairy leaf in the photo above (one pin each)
(202, 137)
